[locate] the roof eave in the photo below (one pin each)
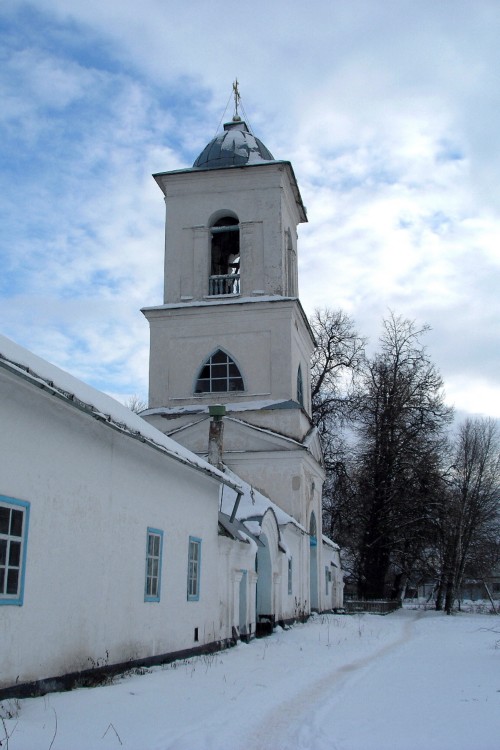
(158, 177)
(88, 409)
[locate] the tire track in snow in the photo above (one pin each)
(296, 722)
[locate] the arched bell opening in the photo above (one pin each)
(225, 257)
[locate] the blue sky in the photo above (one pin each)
(389, 112)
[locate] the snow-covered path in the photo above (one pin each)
(408, 680)
(307, 718)
(429, 689)
(438, 691)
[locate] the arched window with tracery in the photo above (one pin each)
(219, 374)
(225, 257)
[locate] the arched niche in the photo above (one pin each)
(265, 566)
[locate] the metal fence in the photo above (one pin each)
(372, 606)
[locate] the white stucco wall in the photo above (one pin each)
(237, 586)
(267, 341)
(93, 492)
(293, 479)
(293, 604)
(285, 476)
(334, 599)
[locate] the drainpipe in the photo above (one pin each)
(215, 435)
(236, 503)
(216, 443)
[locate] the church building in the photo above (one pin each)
(232, 331)
(129, 539)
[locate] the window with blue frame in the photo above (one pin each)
(154, 551)
(290, 571)
(14, 517)
(194, 569)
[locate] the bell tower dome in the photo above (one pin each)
(235, 146)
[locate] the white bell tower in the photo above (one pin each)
(232, 330)
(230, 280)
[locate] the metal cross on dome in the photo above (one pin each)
(237, 97)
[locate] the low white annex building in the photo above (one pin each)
(110, 548)
(129, 539)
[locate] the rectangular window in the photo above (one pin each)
(328, 578)
(14, 517)
(154, 550)
(194, 563)
(290, 568)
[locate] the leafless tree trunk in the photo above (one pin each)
(402, 418)
(471, 520)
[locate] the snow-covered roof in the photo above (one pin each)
(262, 430)
(61, 384)
(257, 405)
(236, 530)
(252, 506)
(235, 146)
(222, 300)
(266, 431)
(311, 436)
(329, 542)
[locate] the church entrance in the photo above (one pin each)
(243, 625)
(264, 568)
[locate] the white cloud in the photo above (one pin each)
(389, 113)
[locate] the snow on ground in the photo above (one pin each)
(407, 681)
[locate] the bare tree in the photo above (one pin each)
(388, 500)
(470, 519)
(335, 365)
(402, 416)
(341, 508)
(136, 404)
(336, 361)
